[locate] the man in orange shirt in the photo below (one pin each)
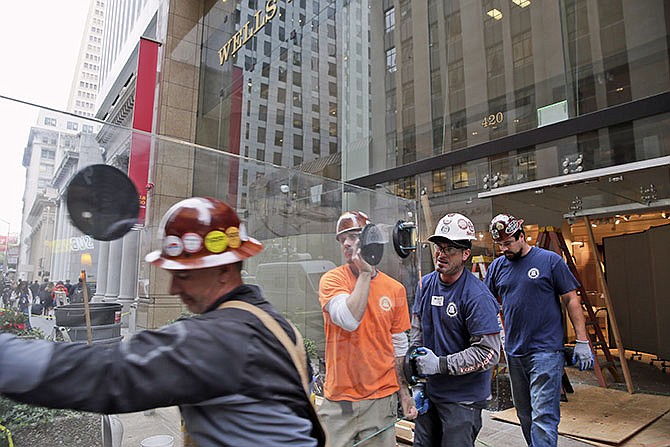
(365, 319)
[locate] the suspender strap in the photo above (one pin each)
(296, 351)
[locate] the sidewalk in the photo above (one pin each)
(165, 421)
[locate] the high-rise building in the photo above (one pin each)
(86, 79)
(58, 145)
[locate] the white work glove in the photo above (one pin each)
(582, 355)
(427, 363)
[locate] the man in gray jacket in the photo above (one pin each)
(233, 380)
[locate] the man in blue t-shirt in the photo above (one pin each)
(456, 334)
(531, 282)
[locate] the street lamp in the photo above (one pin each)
(5, 262)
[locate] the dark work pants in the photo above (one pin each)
(448, 425)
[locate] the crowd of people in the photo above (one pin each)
(239, 372)
(40, 298)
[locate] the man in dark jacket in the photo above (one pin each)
(234, 381)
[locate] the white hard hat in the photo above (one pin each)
(454, 227)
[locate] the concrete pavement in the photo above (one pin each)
(166, 421)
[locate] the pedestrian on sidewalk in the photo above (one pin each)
(235, 382)
(532, 282)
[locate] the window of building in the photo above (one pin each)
(262, 113)
(279, 137)
(391, 65)
(297, 79)
(439, 181)
(332, 147)
(280, 117)
(297, 120)
(316, 146)
(297, 141)
(389, 20)
(49, 121)
(260, 154)
(282, 74)
(264, 91)
(332, 129)
(297, 99)
(48, 154)
(261, 135)
(72, 126)
(86, 128)
(459, 176)
(316, 125)
(281, 95)
(276, 158)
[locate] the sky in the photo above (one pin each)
(39, 45)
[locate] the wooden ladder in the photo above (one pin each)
(551, 238)
(480, 265)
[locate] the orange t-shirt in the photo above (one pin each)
(360, 364)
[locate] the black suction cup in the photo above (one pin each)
(102, 202)
(372, 244)
(404, 238)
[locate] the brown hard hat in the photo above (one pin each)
(350, 221)
(503, 226)
(202, 232)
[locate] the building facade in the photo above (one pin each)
(548, 110)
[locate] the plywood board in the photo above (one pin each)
(602, 414)
(655, 435)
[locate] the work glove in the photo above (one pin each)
(420, 399)
(427, 363)
(582, 355)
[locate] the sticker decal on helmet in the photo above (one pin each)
(233, 234)
(173, 246)
(216, 241)
(192, 242)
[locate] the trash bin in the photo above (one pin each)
(105, 322)
(72, 315)
(158, 441)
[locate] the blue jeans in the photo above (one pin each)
(536, 390)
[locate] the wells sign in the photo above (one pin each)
(248, 30)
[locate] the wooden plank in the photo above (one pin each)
(610, 309)
(604, 415)
(404, 432)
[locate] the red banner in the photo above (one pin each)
(143, 115)
(235, 131)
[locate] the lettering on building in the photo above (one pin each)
(248, 30)
(80, 243)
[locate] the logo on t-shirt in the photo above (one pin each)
(533, 273)
(452, 310)
(385, 303)
(437, 300)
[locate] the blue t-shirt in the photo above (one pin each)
(450, 315)
(530, 289)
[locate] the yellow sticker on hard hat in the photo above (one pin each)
(233, 234)
(216, 241)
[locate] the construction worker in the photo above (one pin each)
(456, 341)
(531, 282)
(234, 381)
(365, 319)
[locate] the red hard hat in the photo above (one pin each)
(202, 232)
(350, 221)
(503, 226)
